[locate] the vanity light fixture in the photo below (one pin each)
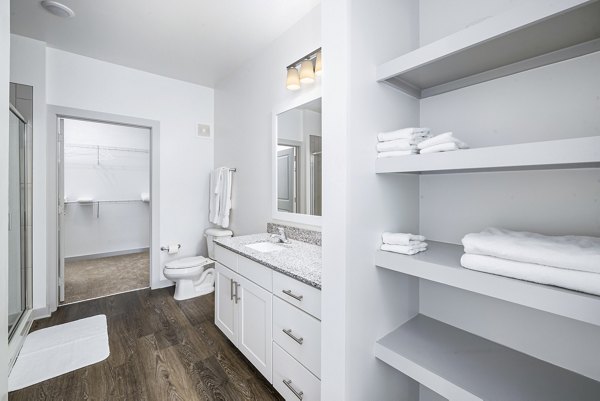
(304, 70)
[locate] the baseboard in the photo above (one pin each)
(40, 313)
(162, 284)
(105, 254)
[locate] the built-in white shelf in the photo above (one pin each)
(527, 36)
(563, 153)
(441, 264)
(462, 366)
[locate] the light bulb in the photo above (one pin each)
(318, 67)
(307, 72)
(293, 80)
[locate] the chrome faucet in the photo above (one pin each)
(281, 237)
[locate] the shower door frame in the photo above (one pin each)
(25, 319)
(55, 115)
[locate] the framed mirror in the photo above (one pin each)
(297, 162)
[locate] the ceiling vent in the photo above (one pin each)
(58, 9)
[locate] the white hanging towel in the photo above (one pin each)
(220, 196)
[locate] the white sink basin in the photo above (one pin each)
(265, 247)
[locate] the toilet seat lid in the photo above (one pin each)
(186, 263)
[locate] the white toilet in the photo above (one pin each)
(191, 277)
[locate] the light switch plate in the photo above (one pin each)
(203, 131)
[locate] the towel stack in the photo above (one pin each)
(445, 142)
(570, 261)
(407, 244)
(401, 142)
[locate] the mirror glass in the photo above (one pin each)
(299, 159)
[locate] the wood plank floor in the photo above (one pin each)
(160, 349)
(93, 278)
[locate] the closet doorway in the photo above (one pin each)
(105, 219)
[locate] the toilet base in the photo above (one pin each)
(187, 289)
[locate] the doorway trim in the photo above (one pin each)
(56, 112)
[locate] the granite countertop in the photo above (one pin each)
(299, 260)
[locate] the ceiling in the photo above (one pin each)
(199, 41)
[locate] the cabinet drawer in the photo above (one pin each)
(297, 293)
(226, 257)
(292, 380)
(298, 333)
(256, 272)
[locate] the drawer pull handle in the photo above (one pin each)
(231, 282)
(288, 384)
(299, 340)
(291, 294)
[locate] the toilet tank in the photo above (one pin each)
(211, 234)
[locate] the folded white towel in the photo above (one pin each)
(565, 278)
(401, 238)
(395, 153)
(444, 147)
(569, 252)
(398, 144)
(404, 249)
(438, 139)
(404, 133)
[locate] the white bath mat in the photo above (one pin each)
(57, 350)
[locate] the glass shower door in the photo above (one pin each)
(19, 232)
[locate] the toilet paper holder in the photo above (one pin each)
(166, 248)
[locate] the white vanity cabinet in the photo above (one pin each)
(274, 320)
(296, 339)
(226, 310)
(243, 312)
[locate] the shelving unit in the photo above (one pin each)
(564, 153)
(457, 364)
(461, 366)
(441, 263)
(528, 36)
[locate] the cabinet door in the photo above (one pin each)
(255, 325)
(226, 311)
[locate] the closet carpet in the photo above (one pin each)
(93, 278)
(160, 349)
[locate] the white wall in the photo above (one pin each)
(244, 103)
(106, 175)
(360, 302)
(185, 159)
(28, 67)
(289, 125)
(311, 123)
(4, 93)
